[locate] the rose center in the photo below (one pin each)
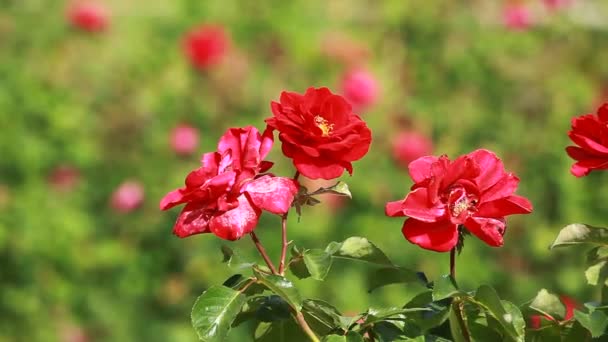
(461, 204)
(323, 125)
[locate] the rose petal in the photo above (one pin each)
(235, 223)
(492, 168)
(505, 187)
(172, 199)
(513, 204)
(420, 169)
(273, 194)
(489, 230)
(439, 236)
(194, 219)
(394, 209)
(588, 143)
(418, 205)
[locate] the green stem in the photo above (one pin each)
(302, 322)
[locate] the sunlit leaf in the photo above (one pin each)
(282, 287)
(214, 311)
(548, 304)
(596, 322)
(578, 233)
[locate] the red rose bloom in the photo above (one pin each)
(226, 195)
(206, 45)
(319, 132)
(590, 133)
(360, 88)
(88, 16)
(473, 191)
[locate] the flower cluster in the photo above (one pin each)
(228, 192)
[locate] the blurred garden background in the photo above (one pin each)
(98, 122)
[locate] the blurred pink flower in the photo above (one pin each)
(73, 333)
(517, 17)
(410, 145)
(557, 4)
(360, 88)
(88, 16)
(128, 196)
(184, 139)
(206, 45)
(64, 177)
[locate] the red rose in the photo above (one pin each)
(206, 45)
(409, 146)
(88, 16)
(569, 303)
(226, 195)
(473, 191)
(590, 132)
(319, 132)
(517, 17)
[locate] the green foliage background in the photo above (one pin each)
(105, 103)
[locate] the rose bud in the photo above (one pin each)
(206, 45)
(409, 146)
(184, 139)
(127, 197)
(88, 16)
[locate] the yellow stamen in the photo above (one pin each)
(323, 125)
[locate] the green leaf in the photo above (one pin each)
(395, 275)
(548, 304)
(487, 297)
(282, 287)
(578, 333)
(351, 336)
(596, 322)
(340, 189)
(279, 331)
(360, 249)
(515, 317)
(318, 263)
(579, 233)
(597, 254)
(323, 317)
(458, 327)
(444, 287)
(378, 314)
(214, 311)
(426, 320)
(597, 274)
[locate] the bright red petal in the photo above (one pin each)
(420, 169)
(437, 236)
(235, 223)
(511, 205)
(394, 209)
(273, 194)
(192, 220)
(489, 230)
(418, 205)
(602, 112)
(505, 187)
(492, 168)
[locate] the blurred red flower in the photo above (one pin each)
(590, 133)
(89, 16)
(569, 303)
(409, 146)
(206, 45)
(184, 139)
(225, 196)
(319, 132)
(557, 4)
(473, 191)
(64, 177)
(517, 17)
(128, 196)
(360, 88)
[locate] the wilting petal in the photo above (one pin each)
(193, 219)
(235, 223)
(273, 194)
(489, 230)
(172, 199)
(420, 169)
(394, 209)
(418, 205)
(505, 206)
(439, 236)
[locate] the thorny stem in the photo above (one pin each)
(284, 234)
(458, 307)
(305, 327)
(262, 251)
(453, 263)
